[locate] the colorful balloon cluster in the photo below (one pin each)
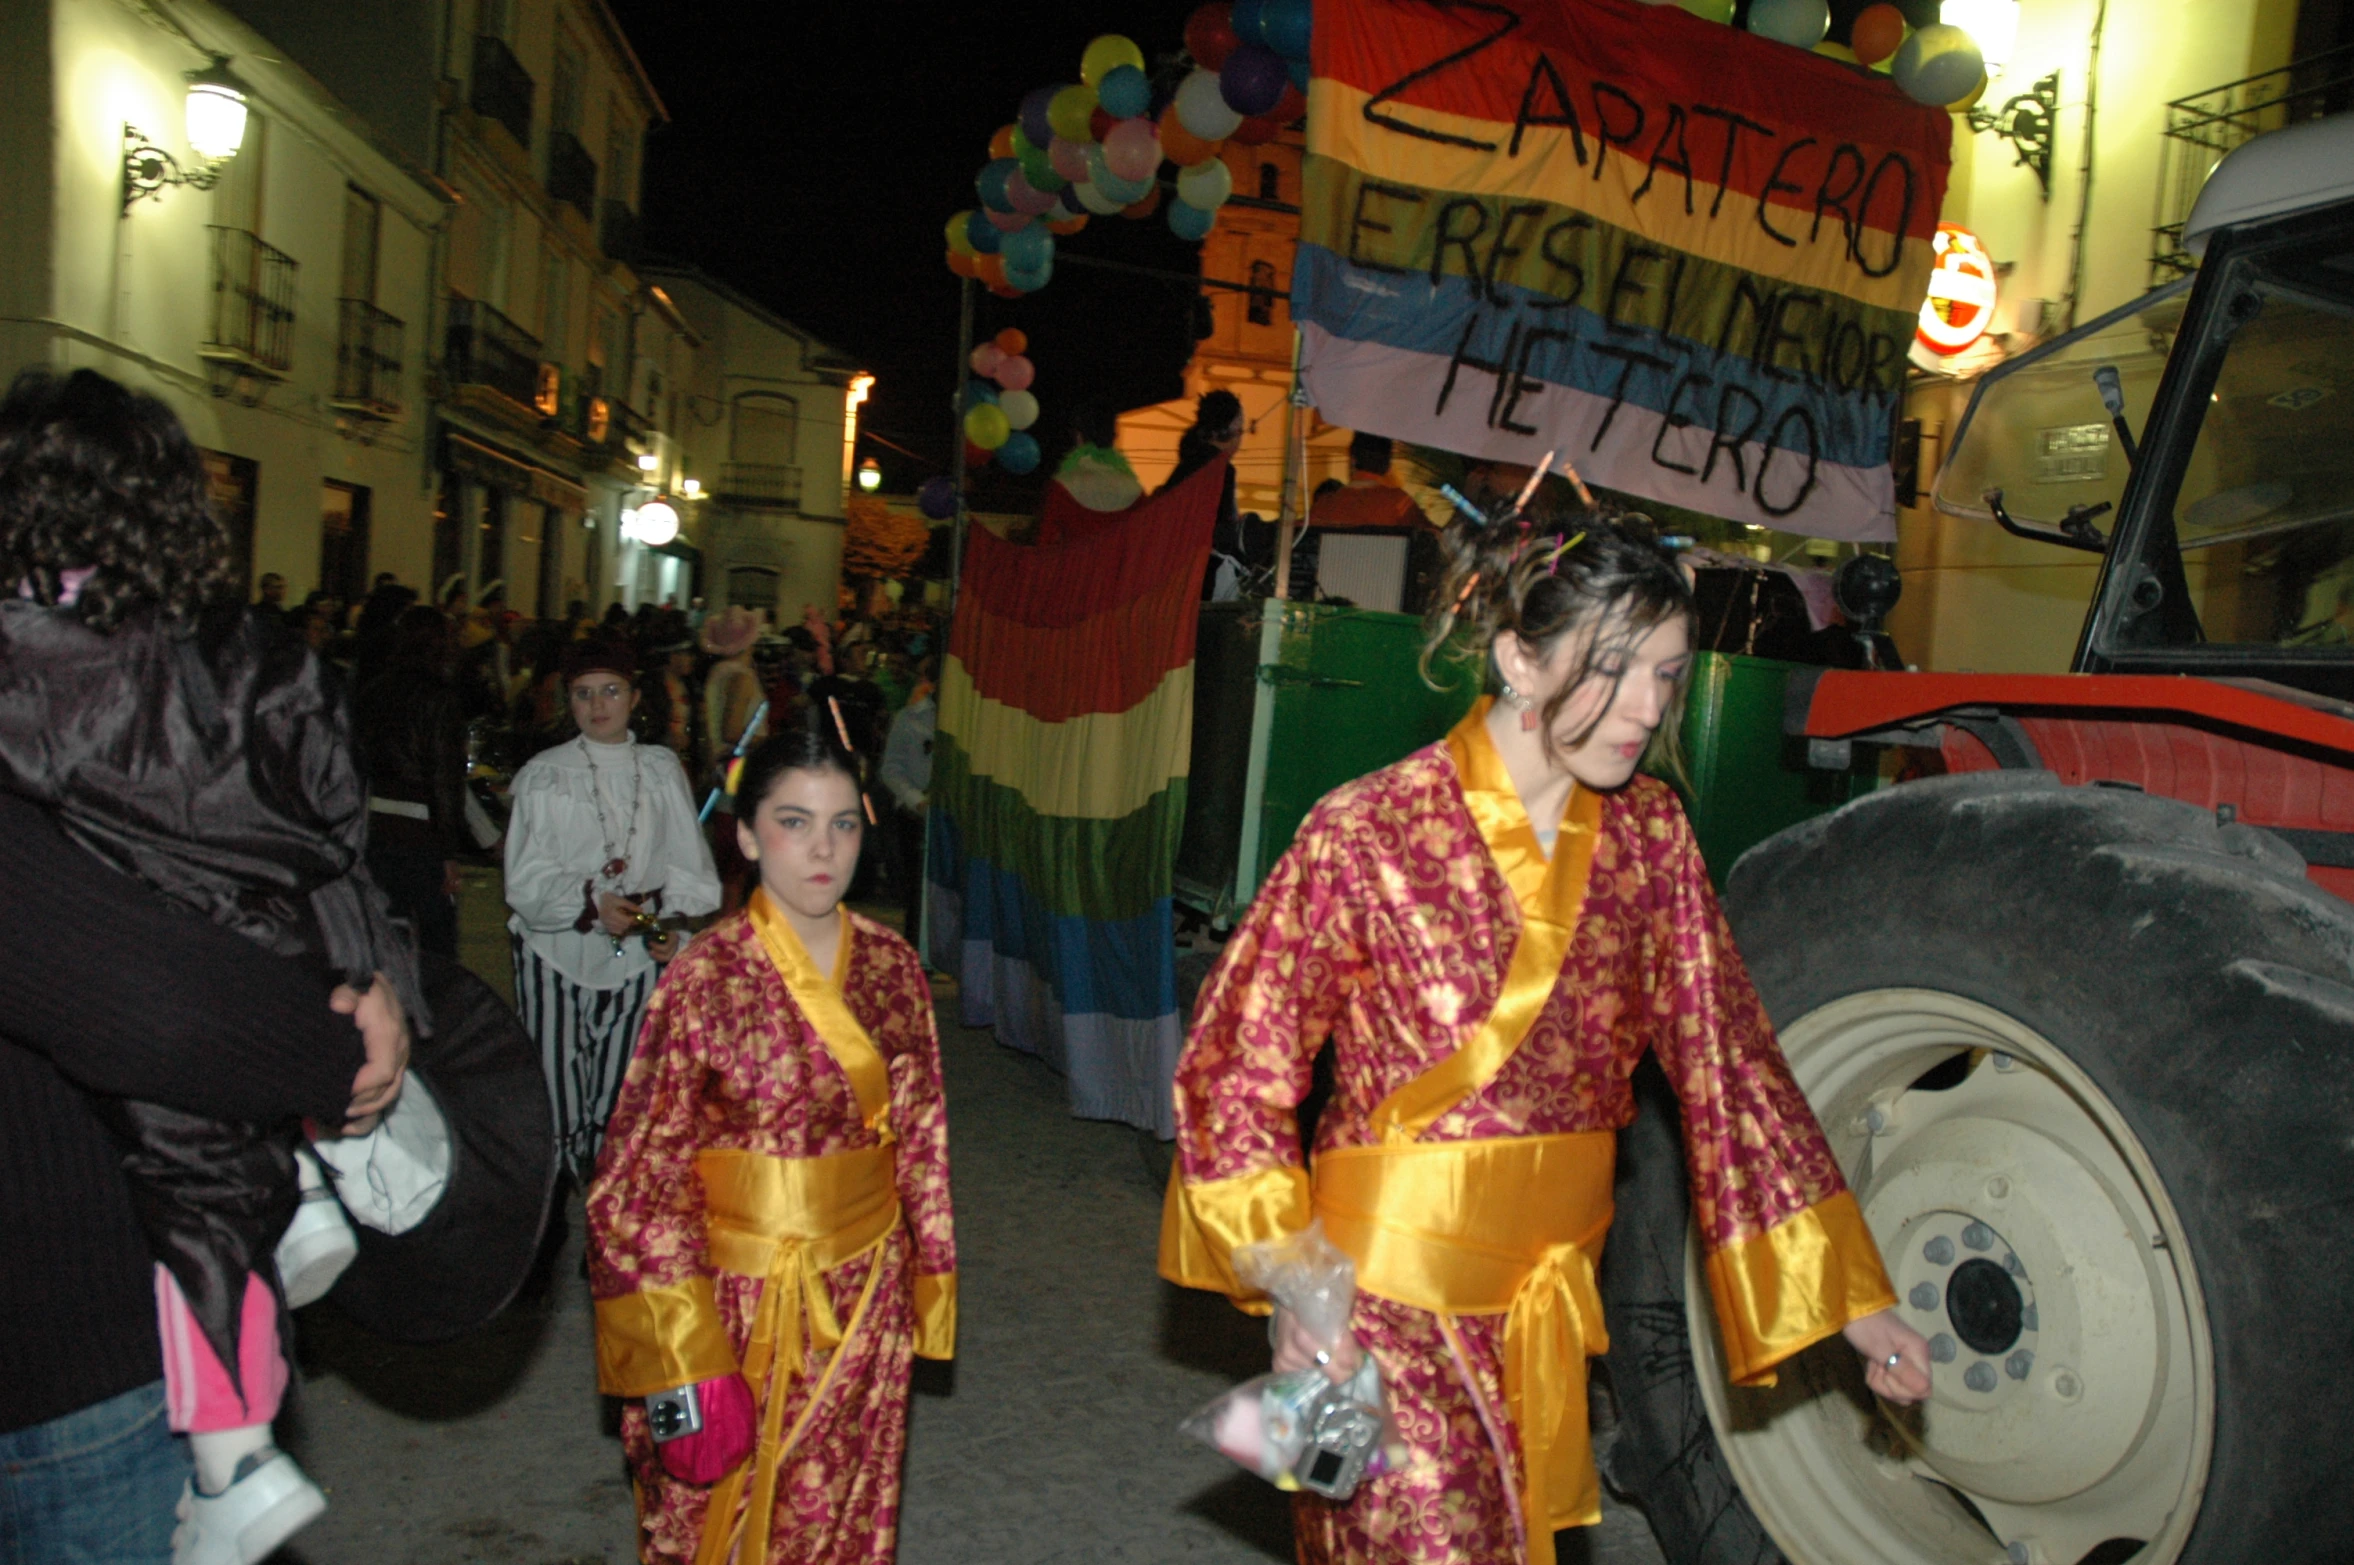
(1096, 147)
(1939, 65)
(997, 417)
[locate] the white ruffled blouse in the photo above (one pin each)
(556, 846)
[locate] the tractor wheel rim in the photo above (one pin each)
(2030, 1238)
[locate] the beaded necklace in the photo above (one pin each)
(616, 864)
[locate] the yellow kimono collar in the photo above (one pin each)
(821, 1000)
(1550, 894)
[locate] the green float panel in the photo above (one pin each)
(1290, 705)
(1747, 779)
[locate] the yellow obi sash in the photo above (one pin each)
(1507, 1227)
(788, 1221)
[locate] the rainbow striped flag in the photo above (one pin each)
(1058, 792)
(1686, 258)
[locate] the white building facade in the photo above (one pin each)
(277, 301)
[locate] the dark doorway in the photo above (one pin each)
(449, 547)
(343, 540)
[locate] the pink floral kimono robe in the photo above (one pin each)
(1389, 933)
(733, 1077)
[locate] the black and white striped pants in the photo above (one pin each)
(585, 1040)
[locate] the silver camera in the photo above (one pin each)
(673, 1415)
(1343, 1434)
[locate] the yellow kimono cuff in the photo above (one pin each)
(935, 1316)
(658, 1339)
(1793, 1285)
(1202, 1223)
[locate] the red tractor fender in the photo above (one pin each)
(2251, 751)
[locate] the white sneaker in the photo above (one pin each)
(319, 1243)
(270, 1500)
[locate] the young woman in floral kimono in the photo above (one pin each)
(1488, 935)
(769, 1224)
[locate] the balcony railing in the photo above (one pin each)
(253, 304)
(618, 235)
(2201, 128)
(487, 349)
(368, 360)
(572, 174)
(760, 486)
(502, 88)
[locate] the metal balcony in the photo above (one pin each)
(368, 360)
(502, 88)
(484, 348)
(2201, 128)
(759, 486)
(252, 318)
(572, 174)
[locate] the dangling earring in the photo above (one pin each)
(1527, 708)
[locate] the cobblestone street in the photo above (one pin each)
(1052, 1439)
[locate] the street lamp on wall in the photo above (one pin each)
(870, 475)
(2026, 119)
(216, 129)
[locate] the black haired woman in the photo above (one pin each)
(198, 745)
(1487, 935)
(770, 1237)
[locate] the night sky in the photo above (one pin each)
(816, 149)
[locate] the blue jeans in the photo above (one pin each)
(97, 1487)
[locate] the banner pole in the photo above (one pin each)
(1286, 519)
(920, 936)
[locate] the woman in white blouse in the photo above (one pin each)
(602, 843)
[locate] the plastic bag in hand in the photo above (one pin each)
(1299, 1430)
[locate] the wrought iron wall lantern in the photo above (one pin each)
(216, 129)
(2026, 122)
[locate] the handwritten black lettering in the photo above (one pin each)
(1796, 413)
(1675, 286)
(1735, 124)
(1524, 384)
(1829, 200)
(1774, 182)
(1506, 22)
(1747, 290)
(1728, 441)
(1629, 359)
(1553, 247)
(1672, 419)
(1884, 354)
(1843, 358)
(1504, 249)
(1681, 163)
(1627, 283)
(1779, 334)
(1450, 237)
(1604, 136)
(1507, 370)
(1543, 74)
(1463, 359)
(1896, 230)
(1360, 224)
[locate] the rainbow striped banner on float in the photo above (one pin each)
(1686, 258)
(1058, 792)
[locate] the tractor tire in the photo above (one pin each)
(2106, 1043)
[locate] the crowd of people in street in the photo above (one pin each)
(241, 1067)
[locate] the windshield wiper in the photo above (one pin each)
(2074, 531)
(2112, 388)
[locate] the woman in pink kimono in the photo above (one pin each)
(770, 1234)
(1487, 936)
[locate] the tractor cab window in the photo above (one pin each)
(2037, 433)
(2264, 512)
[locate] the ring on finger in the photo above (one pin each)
(1894, 1359)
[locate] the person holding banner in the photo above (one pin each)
(770, 1234)
(1487, 936)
